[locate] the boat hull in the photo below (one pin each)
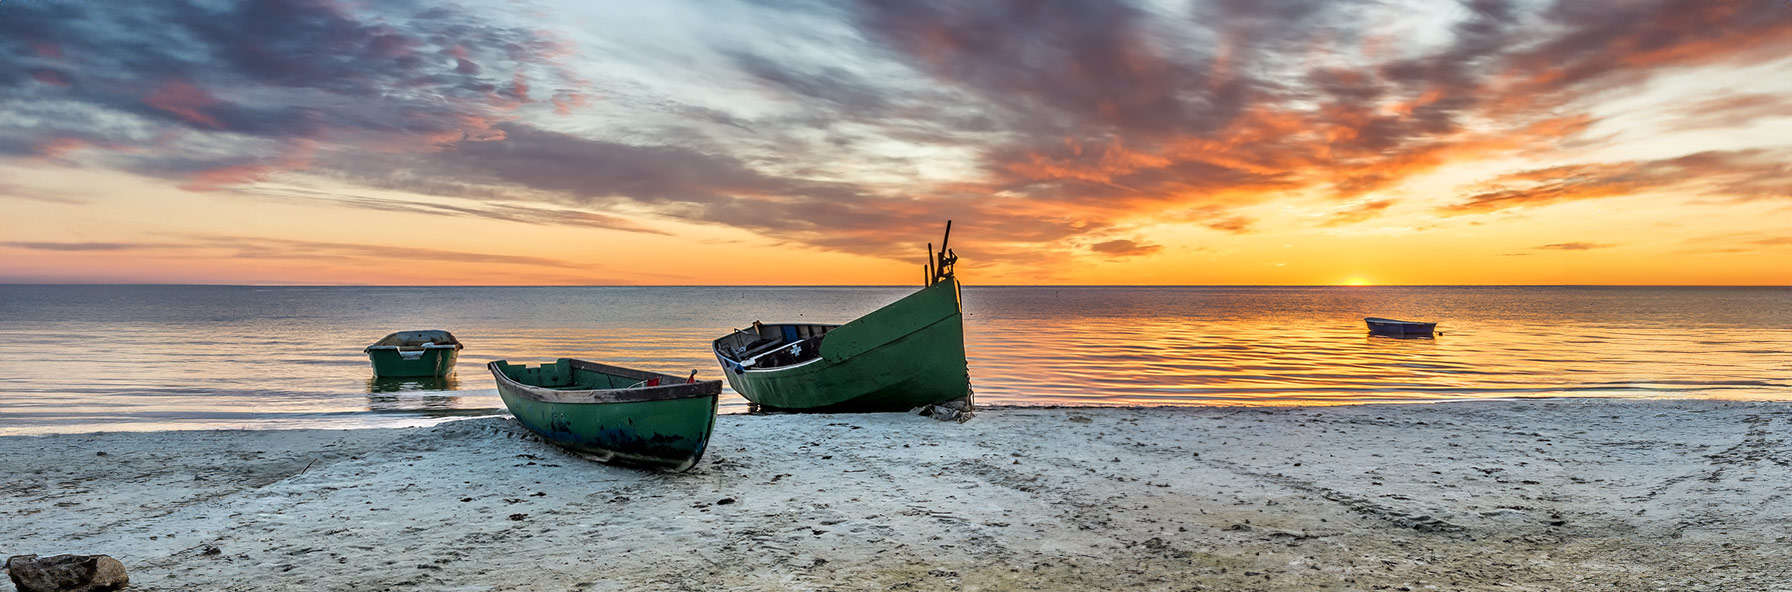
(903, 356)
(665, 434)
(1392, 328)
(389, 363)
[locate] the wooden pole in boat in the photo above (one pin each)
(930, 270)
(939, 268)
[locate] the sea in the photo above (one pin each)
(85, 358)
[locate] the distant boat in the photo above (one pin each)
(907, 354)
(1394, 328)
(610, 413)
(414, 353)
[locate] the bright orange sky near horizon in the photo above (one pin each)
(1071, 142)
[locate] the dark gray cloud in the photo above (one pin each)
(274, 69)
(841, 89)
(1066, 64)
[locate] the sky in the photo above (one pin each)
(560, 142)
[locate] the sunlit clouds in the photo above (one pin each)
(1207, 142)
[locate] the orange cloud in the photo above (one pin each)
(1124, 248)
(1742, 174)
(1575, 246)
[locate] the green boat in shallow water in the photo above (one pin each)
(414, 353)
(907, 354)
(613, 414)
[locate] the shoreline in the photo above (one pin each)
(420, 419)
(1581, 493)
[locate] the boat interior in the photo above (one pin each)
(568, 375)
(764, 346)
(416, 341)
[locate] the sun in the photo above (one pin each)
(1356, 280)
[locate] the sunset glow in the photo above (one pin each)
(1098, 142)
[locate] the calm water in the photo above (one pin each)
(84, 358)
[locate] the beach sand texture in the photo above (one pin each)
(1563, 494)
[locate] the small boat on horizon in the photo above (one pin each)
(908, 354)
(612, 414)
(1397, 328)
(414, 353)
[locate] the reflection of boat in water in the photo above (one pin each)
(414, 353)
(1395, 328)
(907, 354)
(399, 384)
(428, 396)
(615, 414)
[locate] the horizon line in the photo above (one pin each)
(233, 285)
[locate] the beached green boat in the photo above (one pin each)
(907, 354)
(414, 353)
(612, 414)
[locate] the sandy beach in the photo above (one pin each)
(1563, 494)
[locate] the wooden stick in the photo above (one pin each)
(930, 269)
(943, 241)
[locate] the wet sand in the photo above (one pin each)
(1561, 494)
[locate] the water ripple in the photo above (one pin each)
(158, 357)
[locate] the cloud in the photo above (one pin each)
(241, 247)
(1575, 246)
(272, 248)
(1232, 224)
(1067, 63)
(1732, 111)
(1361, 212)
(227, 94)
(69, 246)
(15, 192)
(1028, 122)
(507, 212)
(1125, 248)
(1735, 174)
(1607, 46)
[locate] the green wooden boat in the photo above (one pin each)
(414, 353)
(613, 414)
(907, 354)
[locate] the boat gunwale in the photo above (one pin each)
(1382, 321)
(717, 343)
(664, 392)
(452, 343)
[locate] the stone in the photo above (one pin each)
(66, 573)
(958, 410)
